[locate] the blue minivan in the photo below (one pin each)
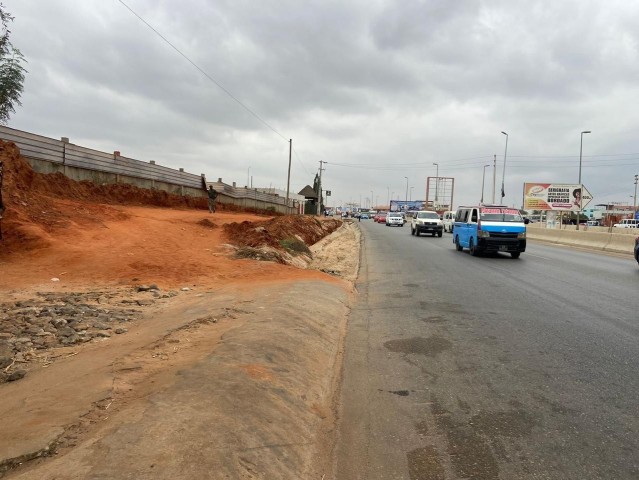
(489, 228)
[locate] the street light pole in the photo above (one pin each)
(371, 199)
(406, 188)
(503, 174)
(634, 205)
(436, 182)
(483, 177)
(410, 197)
(581, 145)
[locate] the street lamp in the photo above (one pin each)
(581, 145)
(436, 182)
(406, 188)
(634, 202)
(410, 197)
(482, 184)
(503, 175)
(371, 199)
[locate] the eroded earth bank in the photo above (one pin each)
(142, 337)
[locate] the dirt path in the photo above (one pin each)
(229, 376)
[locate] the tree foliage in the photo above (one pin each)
(12, 71)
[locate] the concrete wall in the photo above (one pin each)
(47, 155)
(601, 239)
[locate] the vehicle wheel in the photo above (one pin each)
(440, 233)
(417, 232)
(515, 254)
(457, 245)
(473, 249)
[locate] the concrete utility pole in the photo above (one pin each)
(319, 200)
(494, 175)
(288, 179)
(483, 177)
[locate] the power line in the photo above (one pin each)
(300, 161)
(203, 71)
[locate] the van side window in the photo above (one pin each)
(465, 219)
(473, 219)
(459, 216)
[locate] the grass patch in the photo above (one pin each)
(295, 246)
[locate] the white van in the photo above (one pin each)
(627, 223)
(449, 220)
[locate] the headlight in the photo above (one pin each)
(521, 235)
(483, 234)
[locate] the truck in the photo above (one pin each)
(426, 221)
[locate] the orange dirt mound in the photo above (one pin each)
(37, 204)
(269, 233)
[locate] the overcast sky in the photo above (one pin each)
(379, 89)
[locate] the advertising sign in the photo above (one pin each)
(402, 206)
(555, 196)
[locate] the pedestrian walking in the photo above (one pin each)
(212, 197)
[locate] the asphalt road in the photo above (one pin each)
(459, 367)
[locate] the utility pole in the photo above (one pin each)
(503, 175)
(288, 179)
(483, 177)
(494, 175)
(319, 200)
(634, 208)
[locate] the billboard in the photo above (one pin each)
(402, 206)
(555, 196)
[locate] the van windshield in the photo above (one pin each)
(500, 215)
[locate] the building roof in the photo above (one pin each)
(308, 192)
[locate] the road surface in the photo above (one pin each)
(459, 367)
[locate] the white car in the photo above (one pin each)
(394, 219)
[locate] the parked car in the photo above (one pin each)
(426, 222)
(593, 223)
(637, 249)
(394, 218)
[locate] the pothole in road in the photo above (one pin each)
(434, 319)
(430, 347)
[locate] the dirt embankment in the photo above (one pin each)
(108, 298)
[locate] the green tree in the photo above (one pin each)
(11, 70)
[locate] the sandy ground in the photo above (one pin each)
(232, 377)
